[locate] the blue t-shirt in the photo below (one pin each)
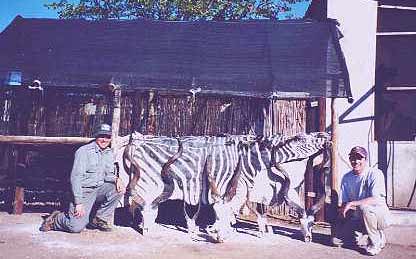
(369, 183)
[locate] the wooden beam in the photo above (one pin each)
(39, 140)
(401, 88)
(320, 215)
(398, 7)
(152, 111)
(334, 130)
(18, 203)
(115, 125)
(312, 113)
(334, 166)
(396, 33)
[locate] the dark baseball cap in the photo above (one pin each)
(102, 129)
(357, 150)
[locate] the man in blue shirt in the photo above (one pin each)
(364, 209)
(93, 181)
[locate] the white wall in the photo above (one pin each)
(358, 24)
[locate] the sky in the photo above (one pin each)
(9, 9)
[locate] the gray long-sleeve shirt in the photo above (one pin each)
(92, 166)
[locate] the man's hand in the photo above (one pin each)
(348, 206)
(120, 186)
(79, 211)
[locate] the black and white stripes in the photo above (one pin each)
(209, 170)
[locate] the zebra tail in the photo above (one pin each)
(324, 167)
(231, 189)
(215, 194)
(134, 169)
(286, 182)
(168, 177)
(285, 192)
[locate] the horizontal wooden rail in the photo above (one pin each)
(39, 140)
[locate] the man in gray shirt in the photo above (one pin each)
(93, 181)
(364, 209)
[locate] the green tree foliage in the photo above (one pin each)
(174, 10)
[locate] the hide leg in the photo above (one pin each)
(306, 222)
(134, 209)
(191, 220)
(149, 217)
(222, 229)
(260, 215)
(262, 220)
(306, 225)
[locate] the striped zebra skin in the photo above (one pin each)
(163, 168)
(209, 170)
(273, 162)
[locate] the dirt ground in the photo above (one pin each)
(20, 238)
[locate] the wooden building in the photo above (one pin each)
(176, 78)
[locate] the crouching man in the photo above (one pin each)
(364, 210)
(93, 181)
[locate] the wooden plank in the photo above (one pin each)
(39, 140)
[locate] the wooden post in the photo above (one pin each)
(115, 125)
(151, 120)
(320, 215)
(311, 126)
(18, 175)
(18, 203)
(334, 167)
(322, 114)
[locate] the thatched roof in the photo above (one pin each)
(255, 58)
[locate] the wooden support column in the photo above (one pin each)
(115, 125)
(151, 120)
(311, 126)
(320, 215)
(19, 190)
(19, 197)
(334, 166)
(316, 121)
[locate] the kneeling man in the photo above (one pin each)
(364, 209)
(93, 181)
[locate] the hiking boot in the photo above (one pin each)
(99, 224)
(48, 222)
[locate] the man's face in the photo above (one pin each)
(358, 163)
(103, 141)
